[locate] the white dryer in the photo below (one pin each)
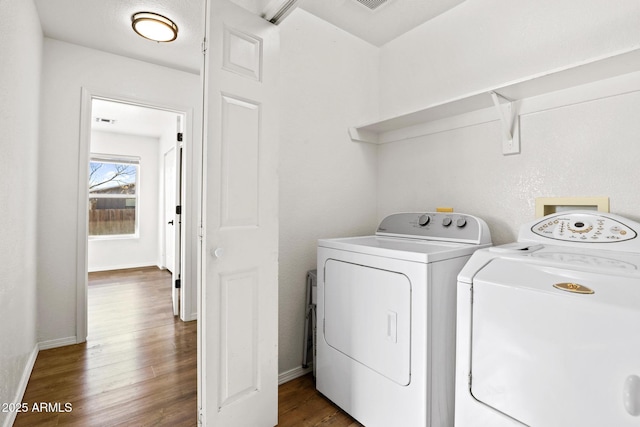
(549, 327)
(386, 318)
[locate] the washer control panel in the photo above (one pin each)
(584, 227)
(453, 227)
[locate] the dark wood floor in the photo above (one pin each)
(299, 404)
(138, 366)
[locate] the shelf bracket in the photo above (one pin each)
(510, 123)
(362, 135)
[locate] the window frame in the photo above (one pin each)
(123, 160)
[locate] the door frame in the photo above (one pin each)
(177, 241)
(192, 203)
(165, 217)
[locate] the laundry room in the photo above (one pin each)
(575, 142)
(481, 106)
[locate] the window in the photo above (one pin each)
(113, 196)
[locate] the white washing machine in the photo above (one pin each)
(548, 331)
(386, 318)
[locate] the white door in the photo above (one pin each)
(239, 311)
(169, 207)
(172, 221)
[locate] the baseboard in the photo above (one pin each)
(22, 386)
(60, 342)
(293, 374)
(122, 267)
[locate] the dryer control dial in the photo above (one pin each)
(461, 222)
(435, 226)
(424, 220)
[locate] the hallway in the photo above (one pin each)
(138, 366)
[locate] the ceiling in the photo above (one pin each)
(390, 20)
(106, 25)
(131, 119)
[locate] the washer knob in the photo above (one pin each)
(424, 220)
(446, 222)
(461, 222)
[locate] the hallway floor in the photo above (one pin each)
(139, 366)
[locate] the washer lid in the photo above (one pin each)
(556, 347)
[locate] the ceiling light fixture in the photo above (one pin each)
(154, 27)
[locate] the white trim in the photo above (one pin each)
(162, 236)
(82, 221)
(112, 158)
(115, 237)
(292, 374)
(190, 218)
(22, 385)
(191, 148)
(126, 266)
(58, 342)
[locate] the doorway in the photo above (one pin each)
(128, 224)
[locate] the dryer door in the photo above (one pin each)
(554, 357)
(368, 317)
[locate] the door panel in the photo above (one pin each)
(239, 326)
(240, 158)
(242, 53)
(367, 314)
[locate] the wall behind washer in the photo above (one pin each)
(576, 150)
(328, 80)
(588, 149)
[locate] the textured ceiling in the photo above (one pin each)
(131, 119)
(379, 26)
(106, 24)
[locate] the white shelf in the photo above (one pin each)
(480, 104)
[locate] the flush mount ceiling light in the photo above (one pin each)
(154, 27)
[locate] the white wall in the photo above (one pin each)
(329, 81)
(576, 150)
(482, 43)
(21, 41)
(67, 69)
(112, 254)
